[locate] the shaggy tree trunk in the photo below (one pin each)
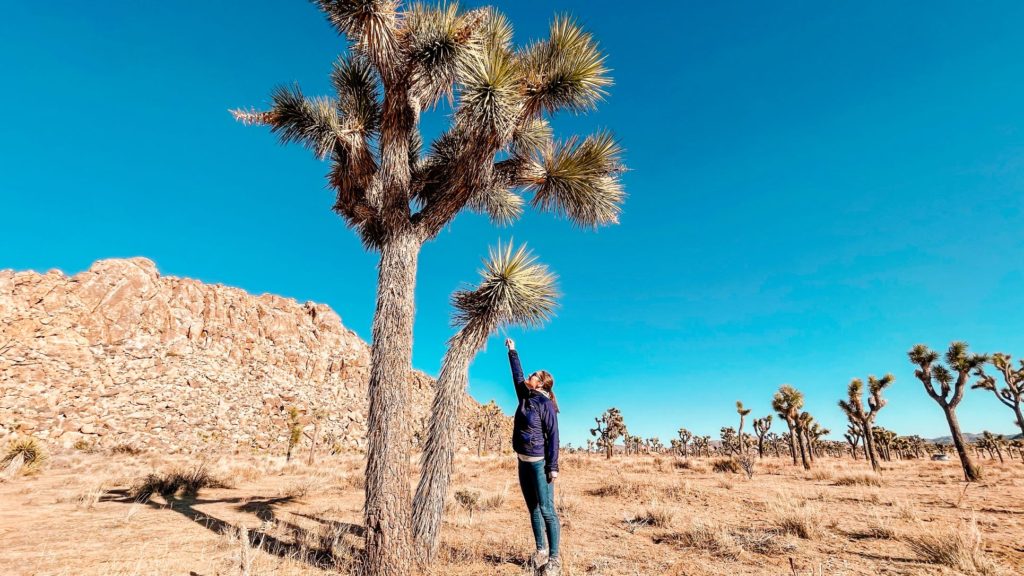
(803, 451)
(869, 445)
(387, 511)
(439, 453)
(971, 473)
(1020, 418)
(792, 443)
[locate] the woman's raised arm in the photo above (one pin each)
(517, 370)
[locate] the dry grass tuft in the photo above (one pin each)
(765, 542)
(820, 474)
(621, 487)
(126, 450)
(655, 515)
(859, 479)
(188, 483)
(707, 536)
(23, 455)
(730, 465)
(801, 519)
(958, 548)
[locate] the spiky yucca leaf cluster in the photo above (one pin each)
(403, 61)
(514, 289)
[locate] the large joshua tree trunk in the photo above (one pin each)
(869, 447)
(792, 443)
(803, 451)
(971, 473)
(439, 453)
(387, 511)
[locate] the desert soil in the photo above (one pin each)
(635, 515)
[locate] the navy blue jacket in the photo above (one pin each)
(535, 425)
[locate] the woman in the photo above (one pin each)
(535, 441)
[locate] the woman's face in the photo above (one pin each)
(534, 382)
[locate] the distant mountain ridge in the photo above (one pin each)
(971, 437)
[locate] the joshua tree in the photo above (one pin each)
(609, 427)
(853, 407)
(993, 443)
(950, 391)
(1012, 392)
(513, 289)
(294, 431)
(655, 445)
(487, 423)
(854, 434)
(761, 427)
(743, 412)
(773, 440)
(684, 438)
(815, 432)
(730, 443)
(398, 194)
(787, 403)
(318, 418)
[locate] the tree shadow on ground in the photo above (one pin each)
(322, 557)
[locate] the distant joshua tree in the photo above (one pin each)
(761, 427)
(730, 442)
(610, 426)
(787, 403)
(854, 434)
(1012, 392)
(743, 412)
(487, 423)
(514, 290)
(950, 391)
(853, 407)
(684, 439)
(294, 431)
(398, 192)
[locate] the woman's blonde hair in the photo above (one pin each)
(547, 383)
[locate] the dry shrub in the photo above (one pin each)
(494, 501)
(356, 480)
(186, 482)
(90, 497)
(675, 490)
(820, 474)
(568, 509)
(729, 465)
(958, 548)
(765, 542)
(691, 465)
(621, 487)
(799, 519)
(704, 535)
(725, 484)
(878, 528)
(859, 479)
(126, 450)
(23, 455)
(654, 515)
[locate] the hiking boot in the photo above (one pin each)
(554, 567)
(540, 558)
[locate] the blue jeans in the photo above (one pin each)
(540, 500)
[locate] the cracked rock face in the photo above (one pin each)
(120, 354)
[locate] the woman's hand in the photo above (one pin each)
(510, 344)
(551, 477)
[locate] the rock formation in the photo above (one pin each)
(120, 354)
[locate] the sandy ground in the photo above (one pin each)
(633, 515)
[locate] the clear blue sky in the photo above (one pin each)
(815, 187)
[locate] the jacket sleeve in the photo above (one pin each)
(517, 375)
(549, 421)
